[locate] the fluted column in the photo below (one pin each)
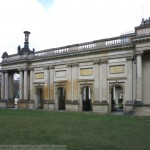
(139, 76)
(25, 85)
(103, 80)
(96, 80)
(21, 86)
(6, 86)
(3, 86)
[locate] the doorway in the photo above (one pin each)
(116, 98)
(61, 98)
(40, 98)
(86, 98)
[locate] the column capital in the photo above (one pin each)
(31, 69)
(96, 61)
(129, 58)
(3, 71)
(69, 64)
(102, 61)
(51, 67)
(75, 64)
(139, 53)
(46, 68)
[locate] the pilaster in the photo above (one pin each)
(6, 86)
(31, 85)
(46, 84)
(69, 82)
(51, 69)
(96, 80)
(75, 82)
(139, 75)
(103, 79)
(129, 86)
(3, 86)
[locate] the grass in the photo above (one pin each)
(79, 131)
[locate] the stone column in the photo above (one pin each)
(46, 84)
(96, 80)
(26, 85)
(51, 83)
(129, 85)
(75, 82)
(69, 85)
(139, 76)
(21, 86)
(31, 85)
(103, 80)
(11, 86)
(3, 86)
(6, 86)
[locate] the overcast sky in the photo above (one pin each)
(55, 23)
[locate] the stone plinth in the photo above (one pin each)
(2, 104)
(10, 104)
(128, 107)
(31, 104)
(51, 105)
(72, 106)
(100, 107)
(22, 104)
(142, 110)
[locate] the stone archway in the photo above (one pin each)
(117, 97)
(86, 98)
(61, 98)
(39, 97)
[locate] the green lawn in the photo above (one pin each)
(79, 131)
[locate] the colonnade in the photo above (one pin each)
(7, 90)
(24, 86)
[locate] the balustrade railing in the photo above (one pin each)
(81, 47)
(117, 41)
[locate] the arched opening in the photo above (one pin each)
(86, 98)
(61, 98)
(116, 98)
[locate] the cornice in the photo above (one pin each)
(141, 38)
(86, 52)
(69, 54)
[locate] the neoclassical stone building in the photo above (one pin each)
(99, 76)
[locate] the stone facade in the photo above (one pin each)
(100, 76)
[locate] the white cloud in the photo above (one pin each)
(66, 21)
